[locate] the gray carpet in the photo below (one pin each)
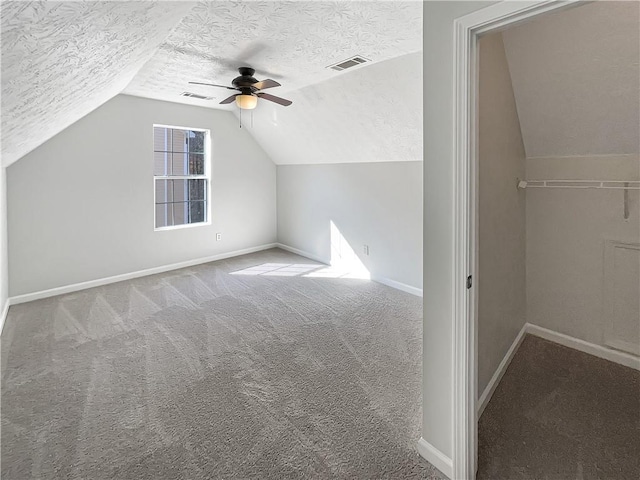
(200, 373)
(561, 414)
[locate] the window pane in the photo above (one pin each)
(197, 212)
(179, 140)
(161, 139)
(179, 164)
(196, 163)
(161, 216)
(197, 189)
(196, 142)
(180, 190)
(164, 191)
(161, 163)
(180, 213)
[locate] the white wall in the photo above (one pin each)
(80, 207)
(377, 204)
(566, 235)
(438, 218)
(501, 276)
(4, 264)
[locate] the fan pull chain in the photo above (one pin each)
(240, 118)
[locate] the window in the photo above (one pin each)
(181, 176)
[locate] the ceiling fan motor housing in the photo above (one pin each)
(245, 80)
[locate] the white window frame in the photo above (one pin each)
(206, 177)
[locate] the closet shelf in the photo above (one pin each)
(603, 184)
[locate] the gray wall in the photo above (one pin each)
(377, 204)
(501, 275)
(567, 263)
(80, 207)
(575, 76)
(438, 218)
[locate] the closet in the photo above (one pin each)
(558, 322)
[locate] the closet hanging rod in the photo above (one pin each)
(603, 184)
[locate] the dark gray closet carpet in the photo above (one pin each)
(561, 414)
(200, 373)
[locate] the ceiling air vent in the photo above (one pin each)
(195, 95)
(350, 62)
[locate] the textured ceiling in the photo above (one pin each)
(371, 114)
(291, 42)
(61, 60)
(576, 80)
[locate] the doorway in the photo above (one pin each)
(468, 376)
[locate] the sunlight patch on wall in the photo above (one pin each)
(344, 261)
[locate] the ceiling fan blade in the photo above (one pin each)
(251, 55)
(266, 84)
(251, 50)
(229, 99)
(273, 98)
(213, 85)
(231, 64)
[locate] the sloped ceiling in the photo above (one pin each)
(291, 42)
(61, 60)
(372, 114)
(576, 80)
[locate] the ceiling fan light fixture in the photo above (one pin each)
(246, 102)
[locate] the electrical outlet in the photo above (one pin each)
(218, 237)
(366, 249)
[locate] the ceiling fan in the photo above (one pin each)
(250, 90)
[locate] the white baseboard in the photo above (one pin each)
(610, 354)
(385, 281)
(483, 401)
(600, 351)
(435, 457)
(302, 253)
(398, 286)
(28, 297)
(623, 346)
(3, 315)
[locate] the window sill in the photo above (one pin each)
(180, 227)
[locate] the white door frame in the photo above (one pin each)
(467, 29)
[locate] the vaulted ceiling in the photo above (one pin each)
(372, 114)
(576, 80)
(61, 60)
(291, 42)
(575, 73)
